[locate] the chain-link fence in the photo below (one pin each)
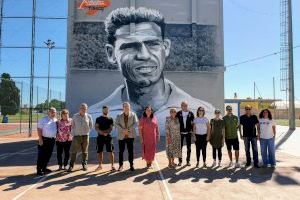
(14, 110)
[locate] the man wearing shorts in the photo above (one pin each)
(104, 125)
(231, 137)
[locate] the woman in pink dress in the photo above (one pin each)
(149, 135)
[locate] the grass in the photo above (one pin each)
(25, 118)
(285, 122)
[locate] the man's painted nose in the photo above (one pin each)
(143, 53)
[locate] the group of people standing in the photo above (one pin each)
(73, 135)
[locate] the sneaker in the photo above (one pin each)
(60, 168)
(188, 164)
(197, 165)
(132, 168)
(230, 164)
(180, 163)
(84, 168)
(214, 163)
(70, 169)
(237, 165)
(219, 164)
(204, 165)
(47, 170)
(248, 164)
(120, 168)
(65, 167)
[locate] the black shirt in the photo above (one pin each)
(189, 122)
(249, 129)
(104, 123)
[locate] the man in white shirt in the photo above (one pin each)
(47, 130)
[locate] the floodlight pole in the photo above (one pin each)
(292, 117)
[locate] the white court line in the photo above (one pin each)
(34, 185)
(31, 187)
(163, 181)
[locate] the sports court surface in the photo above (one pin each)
(18, 179)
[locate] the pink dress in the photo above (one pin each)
(149, 130)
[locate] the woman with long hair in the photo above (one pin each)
(266, 136)
(149, 135)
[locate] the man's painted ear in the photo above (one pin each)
(110, 52)
(167, 45)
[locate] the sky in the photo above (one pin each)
(250, 30)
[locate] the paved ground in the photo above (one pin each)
(18, 181)
(14, 128)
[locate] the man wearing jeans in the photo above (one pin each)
(249, 125)
(81, 125)
(186, 120)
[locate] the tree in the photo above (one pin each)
(9, 95)
(53, 103)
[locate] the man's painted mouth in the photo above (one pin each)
(146, 69)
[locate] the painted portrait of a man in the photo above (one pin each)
(137, 45)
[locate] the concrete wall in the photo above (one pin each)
(195, 28)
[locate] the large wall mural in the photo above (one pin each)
(137, 43)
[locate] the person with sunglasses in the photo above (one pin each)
(217, 135)
(201, 134)
(173, 138)
(231, 136)
(248, 130)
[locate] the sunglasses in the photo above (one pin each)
(173, 112)
(248, 109)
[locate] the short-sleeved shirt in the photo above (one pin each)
(64, 128)
(81, 125)
(231, 125)
(104, 123)
(48, 127)
(266, 130)
(201, 125)
(249, 125)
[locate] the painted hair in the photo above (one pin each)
(124, 16)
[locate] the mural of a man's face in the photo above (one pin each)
(140, 52)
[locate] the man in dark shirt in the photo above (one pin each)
(249, 124)
(186, 120)
(103, 126)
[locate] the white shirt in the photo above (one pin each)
(184, 116)
(48, 127)
(266, 130)
(201, 125)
